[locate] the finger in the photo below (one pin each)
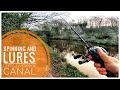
(97, 65)
(90, 57)
(103, 73)
(101, 69)
(103, 55)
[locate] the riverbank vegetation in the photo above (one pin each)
(59, 67)
(99, 30)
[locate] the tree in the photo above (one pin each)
(11, 21)
(41, 17)
(96, 21)
(114, 21)
(82, 22)
(50, 21)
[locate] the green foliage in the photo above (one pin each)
(70, 71)
(61, 67)
(55, 55)
(102, 35)
(41, 35)
(13, 21)
(55, 31)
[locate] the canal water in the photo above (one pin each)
(79, 47)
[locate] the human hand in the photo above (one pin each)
(111, 63)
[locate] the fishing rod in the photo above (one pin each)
(87, 46)
(92, 50)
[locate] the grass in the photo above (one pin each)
(60, 68)
(70, 71)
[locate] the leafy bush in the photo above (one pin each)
(102, 35)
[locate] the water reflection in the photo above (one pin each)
(79, 47)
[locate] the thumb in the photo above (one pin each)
(103, 55)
